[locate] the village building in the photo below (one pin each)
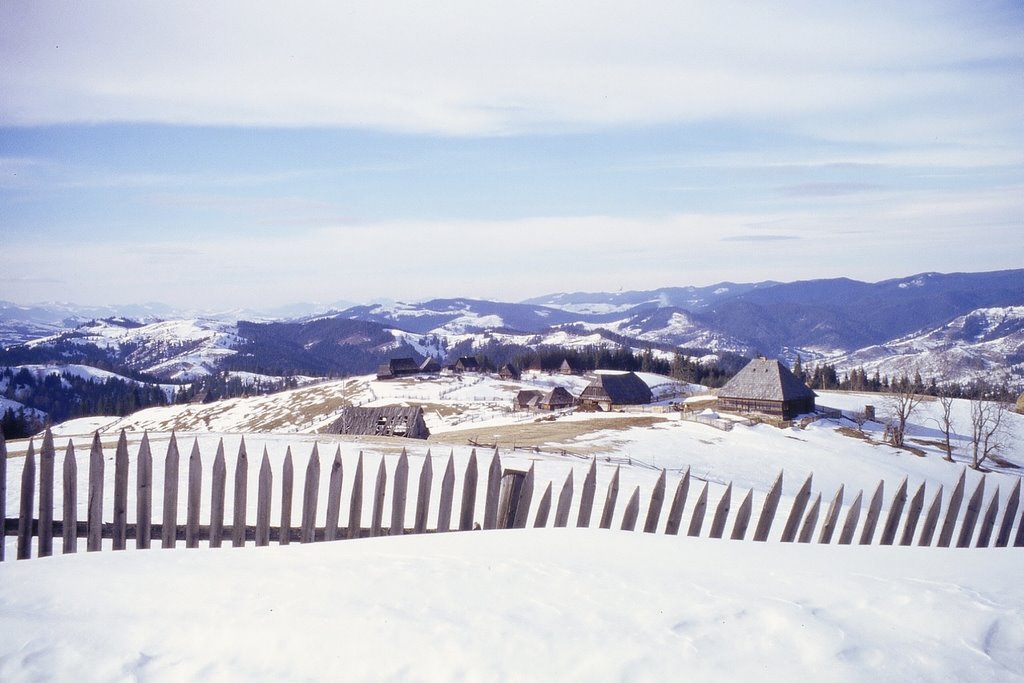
(767, 387)
(609, 390)
(430, 366)
(508, 371)
(467, 364)
(398, 367)
(535, 367)
(558, 398)
(527, 399)
(400, 421)
(566, 368)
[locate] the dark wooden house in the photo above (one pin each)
(767, 387)
(508, 371)
(401, 421)
(527, 399)
(398, 367)
(467, 364)
(618, 389)
(566, 368)
(430, 366)
(557, 399)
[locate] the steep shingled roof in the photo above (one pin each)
(766, 380)
(621, 389)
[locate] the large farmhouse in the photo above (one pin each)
(382, 421)
(767, 387)
(398, 367)
(615, 389)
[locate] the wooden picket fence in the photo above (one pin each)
(508, 501)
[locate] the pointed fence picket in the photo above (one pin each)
(508, 502)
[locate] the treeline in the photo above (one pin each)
(225, 385)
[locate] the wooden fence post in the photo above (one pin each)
(789, 532)
(1003, 538)
(311, 490)
(543, 509)
(378, 500)
(971, 516)
(218, 488)
(45, 529)
(721, 513)
(468, 494)
(871, 521)
(144, 495)
(423, 495)
(444, 509)
(28, 487)
(892, 520)
(195, 492)
(169, 535)
(771, 504)
(70, 500)
(946, 535)
(931, 519)
(699, 509)
(852, 515)
(675, 512)
(657, 501)
(264, 489)
(398, 495)
(609, 500)
(587, 496)
(831, 517)
(241, 488)
(493, 492)
(989, 521)
(739, 527)
(121, 493)
(807, 530)
(632, 511)
(287, 488)
(94, 539)
(355, 508)
(334, 497)
(525, 498)
(913, 516)
(564, 502)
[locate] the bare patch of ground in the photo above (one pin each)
(535, 434)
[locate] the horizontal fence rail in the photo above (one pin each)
(378, 503)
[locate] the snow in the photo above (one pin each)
(559, 604)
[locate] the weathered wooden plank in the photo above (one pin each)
(931, 520)
(1005, 527)
(469, 482)
(850, 525)
(144, 494)
(892, 520)
(508, 501)
(721, 513)
(807, 530)
(791, 529)
(1018, 540)
(195, 492)
(426, 482)
(632, 511)
(587, 496)
(287, 492)
(3, 493)
(831, 517)
(913, 516)
(953, 511)
(47, 456)
(871, 520)
(493, 492)
(739, 527)
(241, 496)
(377, 516)
(771, 505)
(28, 489)
(444, 507)
(334, 497)
(264, 487)
(310, 494)
(988, 522)
(609, 500)
(355, 506)
(701, 506)
(70, 499)
(170, 507)
(525, 499)
(657, 502)
(675, 511)
(120, 539)
(218, 489)
(94, 541)
(971, 516)
(564, 502)
(398, 495)
(543, 509)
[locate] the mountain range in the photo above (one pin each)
(956, 326)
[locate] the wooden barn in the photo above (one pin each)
(430, 366)
(619, 389)
(566, 368)
(400, 421)
(768, 387)
(508, 371)
(556, 399)
(527, 399)
(467, 364)
(398, 367)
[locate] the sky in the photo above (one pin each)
(251, 154)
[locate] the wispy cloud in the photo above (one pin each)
(827, 189)
(759, 238)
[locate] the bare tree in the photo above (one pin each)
(901, 404)
(945, 420)
(987, 429)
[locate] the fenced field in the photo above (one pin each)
(200, 504)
